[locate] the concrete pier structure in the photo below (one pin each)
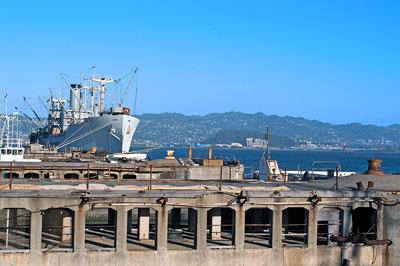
(244, 223)
(157, 169)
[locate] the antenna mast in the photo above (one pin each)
(267, 138)
(92, 91)
(5, 104)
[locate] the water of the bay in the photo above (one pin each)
(352, 161)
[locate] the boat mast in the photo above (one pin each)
(102, 81)
(7, 120)
(267, 137)
(5, 104)
(102, 98)
(92, 91)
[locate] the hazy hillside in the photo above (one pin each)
(178, 128)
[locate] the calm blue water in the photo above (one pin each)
(354, 161)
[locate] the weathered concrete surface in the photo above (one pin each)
(161, 169)
(262, 195)
(391, 230)
(209, 172)
(258, 257)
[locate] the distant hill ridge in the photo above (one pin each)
(179, 128)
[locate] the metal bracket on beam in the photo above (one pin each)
(163, 201)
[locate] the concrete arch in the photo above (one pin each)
(32, 175)
(71, 176)
(14, 175)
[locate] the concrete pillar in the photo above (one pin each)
(347, 223)
(79, 229)
(36, 232)
(162, 229)
(122, 225)
(143, 223)
(192, 220)
(66, 229)
(379, 222)
(216, 221)
(239, 222)
(277, 227)
(175, 217)
(201, 229)
(312, 227)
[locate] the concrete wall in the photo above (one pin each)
(209, 172)
(391, 230)
(313, 254)
(192, 172)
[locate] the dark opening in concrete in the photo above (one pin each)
(15, 229)
(142, 229)
(295, 227)
(129, 176)
(100, 228)
(258, 228)
(220, 228)
(330, 222)
(7, 175)
(182, 228)
(364, 222)
(71, 176)
(57, 229)
(31, 175)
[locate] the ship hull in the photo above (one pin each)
(112, 133)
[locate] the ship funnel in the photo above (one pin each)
(75, 97)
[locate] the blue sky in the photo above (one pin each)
(334, 61)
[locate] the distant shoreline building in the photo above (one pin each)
(256, 143)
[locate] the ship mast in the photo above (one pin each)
(6, 130)
(103, 82)
(267, 139)
(92, 91)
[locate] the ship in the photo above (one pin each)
(11, 142)
(83, 122)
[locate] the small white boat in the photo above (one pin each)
(11, 149)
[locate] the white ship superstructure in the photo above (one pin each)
(81, 123)
(10, 142)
